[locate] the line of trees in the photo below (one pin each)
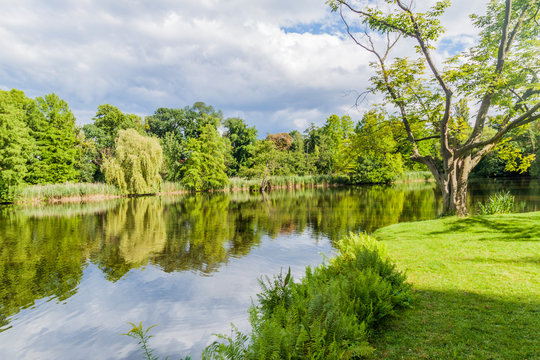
(40, 143)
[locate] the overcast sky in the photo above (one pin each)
(278, 64)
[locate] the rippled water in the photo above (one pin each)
(72, 276)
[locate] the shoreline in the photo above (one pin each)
(48, 200)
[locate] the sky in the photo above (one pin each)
(278, 64)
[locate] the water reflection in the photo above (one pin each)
(45, 251)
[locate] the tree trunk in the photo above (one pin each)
(454, 186)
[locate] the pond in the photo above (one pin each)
(73, 276)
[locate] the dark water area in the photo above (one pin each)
(72, 276)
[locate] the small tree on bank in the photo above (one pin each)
(500, 74)
(134, 168)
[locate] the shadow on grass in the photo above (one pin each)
(462, 325)
(521, 260)
(496, 228)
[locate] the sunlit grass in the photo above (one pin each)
(477, 284)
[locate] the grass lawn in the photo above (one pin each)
(477, 286)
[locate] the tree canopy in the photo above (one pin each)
(16, 143)
(57, 153)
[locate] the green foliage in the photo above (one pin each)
(242, 139)
(513, 157)
(330, 314)
(381, 169)
(134, 169)
(180, 131)
(500, 203)
(109, 120)
(204, 168)
(103, 132)
(16, 143)
(86, 166)
(490, 166)
(370, 156)
(58, 152)
(232, 347)
(185, 123)
(173, 155)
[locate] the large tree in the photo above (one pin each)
(58, 154)
(16, 143)
(175, 128)
(135, 166)
(499, 75)
(185, 123)
(109, 120)
(242, 138)
(204, 168)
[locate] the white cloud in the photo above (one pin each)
(234, 55)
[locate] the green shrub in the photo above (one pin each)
(330, 314)
(499, 203)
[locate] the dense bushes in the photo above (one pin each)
(330, 314)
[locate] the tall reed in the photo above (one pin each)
(52, 192)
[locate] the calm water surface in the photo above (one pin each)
(72, 276)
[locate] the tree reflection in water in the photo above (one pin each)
(44, 250)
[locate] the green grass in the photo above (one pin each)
(477, 284)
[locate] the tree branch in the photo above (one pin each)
(370, 16)
(428, 138)
(504, 47)
(526, 118)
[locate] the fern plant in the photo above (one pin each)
(330, 314)
(233, 347)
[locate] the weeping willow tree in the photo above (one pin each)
(134, 168)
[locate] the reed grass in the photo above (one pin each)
(499, 203)
(170, 187)
(52, 192)
(290, 181)
(409, 176)
(56, 192)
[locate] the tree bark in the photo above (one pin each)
(454, 185)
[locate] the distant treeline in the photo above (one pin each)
(40, 143)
